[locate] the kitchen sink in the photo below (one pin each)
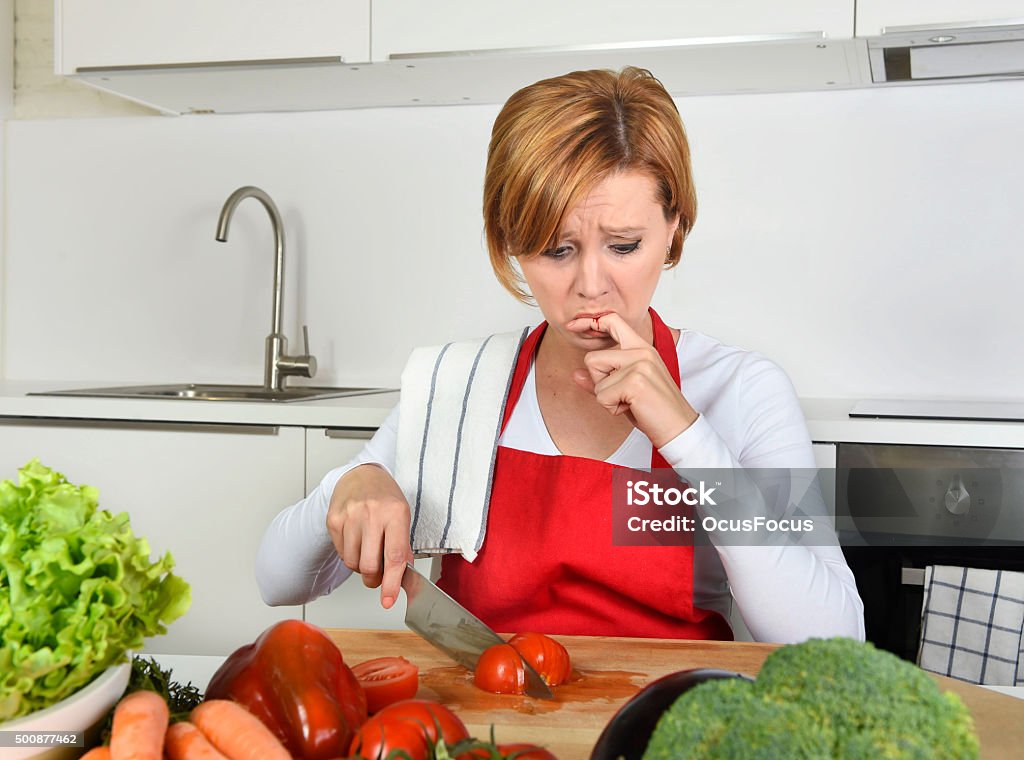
(194, 391)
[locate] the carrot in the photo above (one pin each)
(97, 753)
(140, 722)
(236, 732)
(186, 742)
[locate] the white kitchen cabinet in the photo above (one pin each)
(825, 461)
(203, 492)
(119, 33)
(875, 15)
(327, 448)
(238, 56)
(351, 605)
(824, 454)
(406, 27)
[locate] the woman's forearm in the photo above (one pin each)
(785, 593)
(297, 561)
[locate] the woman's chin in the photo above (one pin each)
(590, 340)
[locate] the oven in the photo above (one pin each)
(900, 508)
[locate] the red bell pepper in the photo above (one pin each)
(293, 678)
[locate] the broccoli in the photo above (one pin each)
(697, 723)
(824, 698)
(723, 719)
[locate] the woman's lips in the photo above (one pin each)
(591, 333)
(588, 315)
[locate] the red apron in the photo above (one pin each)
(547, 562)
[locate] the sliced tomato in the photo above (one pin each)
(387, 680)
(545, 655)
(500, 669)
(412, 725)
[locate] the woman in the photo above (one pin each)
(589, 189)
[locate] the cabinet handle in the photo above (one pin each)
(359, 433)
(212, 64)
(177, 427)
(610, 46)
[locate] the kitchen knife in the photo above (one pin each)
(453, 629)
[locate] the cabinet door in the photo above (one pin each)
(351, 605)
(824, 454)
(205, 493)
(875, 15)
(825, 461)
(111, 33)
(410, 26)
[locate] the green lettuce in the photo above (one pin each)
(77, 590)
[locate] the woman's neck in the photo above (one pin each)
(555, 357)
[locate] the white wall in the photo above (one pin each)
(39, 93)
(6, 109)
(866, 240)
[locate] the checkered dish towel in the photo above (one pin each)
(971, 623)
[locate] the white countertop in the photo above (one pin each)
(827, 419)
(348, 411)
(196, 669)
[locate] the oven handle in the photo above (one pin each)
(913, 576)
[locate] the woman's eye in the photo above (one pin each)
(625, 248)
(558, 253)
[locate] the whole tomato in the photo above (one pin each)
(545, 655)
(508, 752)
(376, 741)
(525, 752)
(500, 670)
(412, 725)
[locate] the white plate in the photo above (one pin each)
(82, 711)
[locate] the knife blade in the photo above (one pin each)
(453, 629)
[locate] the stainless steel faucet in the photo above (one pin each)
(277, 364)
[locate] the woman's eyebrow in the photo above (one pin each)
(616, 231)
(623, 231)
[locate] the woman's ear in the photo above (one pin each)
(673, 229)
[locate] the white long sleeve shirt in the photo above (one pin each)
(749, 418)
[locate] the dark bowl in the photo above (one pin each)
(628, 732)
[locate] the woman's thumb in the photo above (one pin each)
(582, 378)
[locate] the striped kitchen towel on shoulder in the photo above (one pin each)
(971, 622)
(449, 422)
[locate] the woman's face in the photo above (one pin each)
(608, 257)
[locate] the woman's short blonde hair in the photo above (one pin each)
(555, 140)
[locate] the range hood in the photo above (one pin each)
(768, 63)
(948, 52)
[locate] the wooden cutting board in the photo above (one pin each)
(611, 671)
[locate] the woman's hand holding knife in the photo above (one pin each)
(368, 521)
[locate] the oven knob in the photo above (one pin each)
(958, 501)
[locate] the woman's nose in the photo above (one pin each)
(591, 274)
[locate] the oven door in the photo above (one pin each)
(902, 508)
